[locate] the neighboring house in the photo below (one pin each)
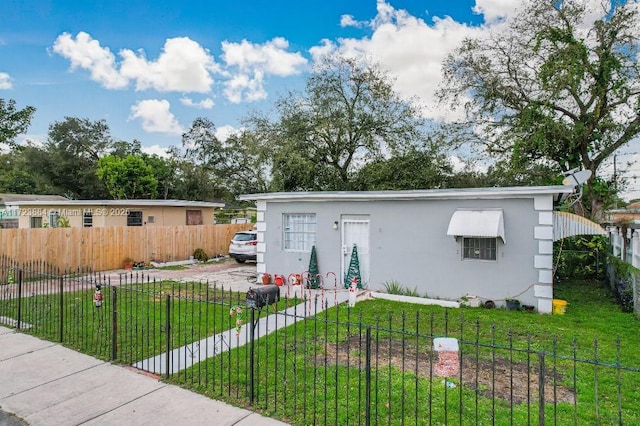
(102, 213)
(626, 215)
(9, 210)
(237, 215)
(494, 243)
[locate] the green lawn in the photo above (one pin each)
(195, 311)
(313, 371)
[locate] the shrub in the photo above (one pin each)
(394, 287)
(411, 292)
(580, 257)
(63, 222)
(621, 277)
(200, 255)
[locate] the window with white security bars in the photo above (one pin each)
(479, 248)
(299, 231)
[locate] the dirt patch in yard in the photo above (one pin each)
(225, 273)
(191, 270)
(501, 379)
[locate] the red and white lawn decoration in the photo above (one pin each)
(353, 292)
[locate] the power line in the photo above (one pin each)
(628, 153)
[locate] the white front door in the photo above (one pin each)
(356, 231)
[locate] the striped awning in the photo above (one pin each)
(567, 224)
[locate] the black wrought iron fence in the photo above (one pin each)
(309, 359)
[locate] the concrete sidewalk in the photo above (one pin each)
(45, 383)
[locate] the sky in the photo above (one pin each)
(149, 69)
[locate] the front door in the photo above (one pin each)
(355, 231)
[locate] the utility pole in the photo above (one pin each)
(615, 182)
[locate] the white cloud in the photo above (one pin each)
(203, 104)
(156, 116)
(85, 52)
(32, 139)
(185, 66)
(467, 165)
(627, 169)
(349, 21)
(411, 49)
(182, 66)
(160, 151)
(223, 132)
(243, 88)
(5, 81)
(385, 14)
(457, 163)
(271, 57)
(594, 11)
(326, 48)
(495, 10)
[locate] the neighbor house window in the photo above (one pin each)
(35, 221)
(53, 219)
(194, 217)
(299, 231)
(479, 248)
(87, 219)
(134, 218)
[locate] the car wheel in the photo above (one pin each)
(240, 260)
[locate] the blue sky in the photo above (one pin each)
(66, 57)
(150, 68)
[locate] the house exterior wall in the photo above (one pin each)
(408, 243)
(104, 215)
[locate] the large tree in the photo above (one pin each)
(560, 83)
(414, 169)
(13, 121)
(247, 163)
(204, 158)
(14, 177)
(236, 165)
(348, 115)
(69, 159)
(165, 172)
(127, 177)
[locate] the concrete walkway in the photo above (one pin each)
(193, 353)
(45, 383)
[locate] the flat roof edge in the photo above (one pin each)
(145, 203)
(517, 191)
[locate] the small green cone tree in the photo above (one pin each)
(354, 270)
(313, 269)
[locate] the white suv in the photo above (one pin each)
(244, 246)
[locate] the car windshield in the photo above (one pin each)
(244, 237)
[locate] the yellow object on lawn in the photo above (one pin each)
(559, 306)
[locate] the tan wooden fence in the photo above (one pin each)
(106, 248)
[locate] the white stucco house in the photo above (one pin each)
(494, 243)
